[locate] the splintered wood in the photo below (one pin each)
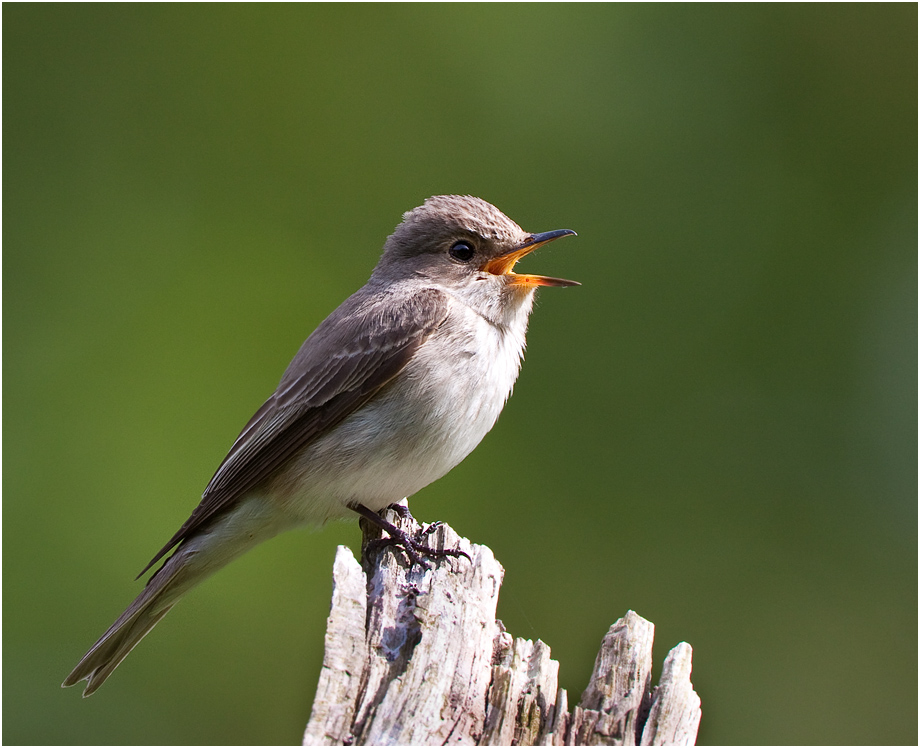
(415, 656)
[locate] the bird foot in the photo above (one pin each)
(414, 548)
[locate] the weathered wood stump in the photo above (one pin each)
(415, 656)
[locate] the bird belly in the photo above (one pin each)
(416, 429)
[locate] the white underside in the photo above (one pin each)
(418, 428)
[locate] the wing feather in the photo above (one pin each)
(360, 347)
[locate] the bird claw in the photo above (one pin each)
(416, 551)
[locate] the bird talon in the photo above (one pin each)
(401, 510)
(433, 527)
(416, 552)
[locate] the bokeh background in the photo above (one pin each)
(718, 430)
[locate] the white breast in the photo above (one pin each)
(420, 425)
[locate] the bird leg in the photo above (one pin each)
(414, 549)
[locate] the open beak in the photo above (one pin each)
(504, 264)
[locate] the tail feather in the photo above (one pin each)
(162, 592)
(246, 525)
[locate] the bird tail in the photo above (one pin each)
(192, 562)
(164, 589)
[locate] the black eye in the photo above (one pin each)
(462, 251)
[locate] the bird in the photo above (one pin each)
(389, 393)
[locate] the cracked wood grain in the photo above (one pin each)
(415, 656)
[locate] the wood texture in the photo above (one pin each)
(415, 656)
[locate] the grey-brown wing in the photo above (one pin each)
(348, 358)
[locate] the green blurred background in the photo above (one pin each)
(717, 430)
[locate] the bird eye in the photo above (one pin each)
(462, 251)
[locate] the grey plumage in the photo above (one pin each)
(389, 393)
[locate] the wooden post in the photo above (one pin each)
(415, 656)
